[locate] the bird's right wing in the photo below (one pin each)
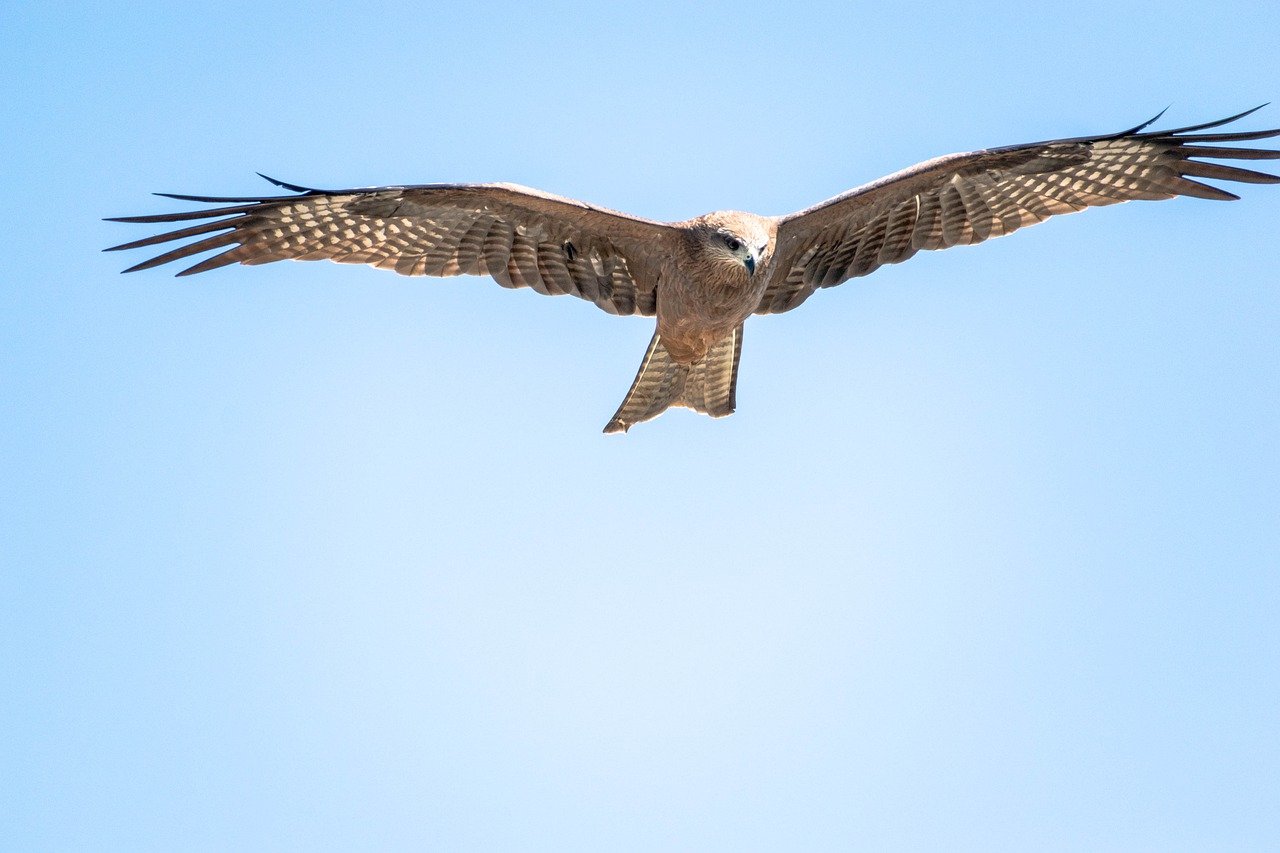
(967, 198)
(521, 237)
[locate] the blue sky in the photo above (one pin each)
(305, 555)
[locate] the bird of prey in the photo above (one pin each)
(704, 277)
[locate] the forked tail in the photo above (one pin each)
(708, 386)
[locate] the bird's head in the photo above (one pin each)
(737, 238)
(736, 247)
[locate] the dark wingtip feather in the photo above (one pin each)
(138, 267)
(1208, 124)
(1242, 136)
(297, 188)
(180, 234)
(1139, 127)
(219, 260)
(1220, 172)
(215, 242)
(1186, 186)
(190, 214)
(1228, 153)
(212, 199)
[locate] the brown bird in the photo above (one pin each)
(704, 277)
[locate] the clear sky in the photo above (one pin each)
(310, 556)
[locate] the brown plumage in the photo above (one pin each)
(703, 278)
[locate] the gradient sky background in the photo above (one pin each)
(312, 556)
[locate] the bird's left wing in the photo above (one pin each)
(967, 198)
(521, 237)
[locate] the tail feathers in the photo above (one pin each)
(708, 386)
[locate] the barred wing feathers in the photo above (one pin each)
(519, 236)
(963, 199)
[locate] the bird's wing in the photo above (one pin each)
(519, 236)
(962, 199)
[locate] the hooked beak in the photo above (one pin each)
(750, 262)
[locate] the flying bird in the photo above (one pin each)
(702, 278)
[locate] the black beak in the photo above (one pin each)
(750, 261)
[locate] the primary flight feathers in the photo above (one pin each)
(705, 276)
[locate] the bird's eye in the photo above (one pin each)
(732, 243)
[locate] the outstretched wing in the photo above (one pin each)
(962, 199)
(519, 236)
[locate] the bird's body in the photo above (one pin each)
(704, 277)
(705, 290)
